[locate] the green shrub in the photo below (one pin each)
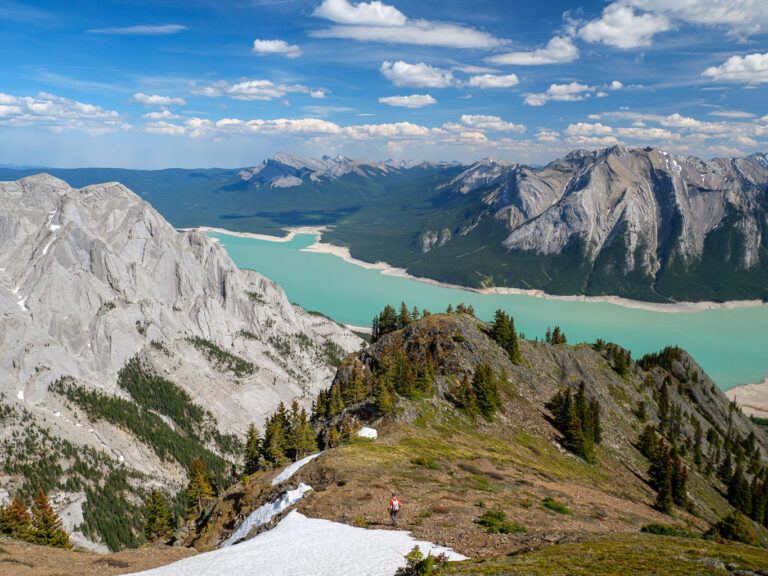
(425, 462)
(556, 506)
(736, 527)
(667, 530)
(495, 522)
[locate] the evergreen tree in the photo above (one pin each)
(158, 518)
(449, 310)
(302, 438)
(200, 489)
(486, 391)
(415, 313)
(725, 470)
(664, 405)
(739, 492)
(404, 318)
(46, 526)
(647, 443)
(471, 310)
(384, 400)
(597, 429)
(15, 520)
(252, 448)
(465, 397)
(660, 474)
(758, 500)
(274, 445)
(679, 480)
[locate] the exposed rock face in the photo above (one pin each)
(91, 277)
(645, 208)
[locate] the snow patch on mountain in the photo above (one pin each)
(301, 546)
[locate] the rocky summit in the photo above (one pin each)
(105, 301)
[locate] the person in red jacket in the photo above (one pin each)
(394, 508)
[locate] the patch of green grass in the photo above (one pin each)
(666, 530)
(222, 359)
(425, 462)
(556, 506)
(360, 522)
(495, 522)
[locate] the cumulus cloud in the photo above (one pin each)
(280, 47)
(379, 22)
(493, 81)
(256, 90)
(558, 50)
(58, 114)
(412, 101)
(572, 92)
(677, 120)
(751, 69)
(416, 75)
(156, 100)
(163, 115)
(141, 30)
(489, 123)
(622, 27)
(367, 13)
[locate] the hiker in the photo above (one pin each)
(394, 508)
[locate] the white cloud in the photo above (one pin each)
(490, 123)
(164, 115)
(58, 114)
(276, 47)
(256, 90)
(166, 128)
(156, 100)
(559, 50)
(379, 22)
(740, 17)
(548, 136)
(412, 101)
(732, 114)
(572, 92)
(620, 26)
(587, 129)
(417, 75)
(367, 13)
(616, 85)
(752, 69)
(493, 81)
(679, 121)
(141, 30)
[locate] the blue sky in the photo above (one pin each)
(153, 84)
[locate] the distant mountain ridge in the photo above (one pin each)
(633, 222)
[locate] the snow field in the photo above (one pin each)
(293, 468)
(301, 546)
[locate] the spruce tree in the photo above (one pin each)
(383, 398)
(404, 318)
(739, 493)
(15, 520)
(647, 443)
(486, 391)
(200, 489)
(660, 474)
(252, 448)
(46, 526)
(158, 518)
(679, 480)
(465, 397)
(273, 447)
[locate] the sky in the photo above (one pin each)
(203, 83)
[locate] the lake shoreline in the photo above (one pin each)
(387, 269)
(751, 398)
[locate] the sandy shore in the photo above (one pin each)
(752, 398)
(292, 232)
(389, 270)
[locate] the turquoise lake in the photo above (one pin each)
(730, 344)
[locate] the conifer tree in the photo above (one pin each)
(739, 493)
(252, 448)
(725, 470)
(200, 488)
(664, 405)
(302, 441)
(404, 318)
(466, 398)
(158, 518)
(486, 391)
(274, 445)
(660, 474)
(449, 310)
(15, 520)
(679, 479)
(415, 313)
(46, 528)
(647, 443)
(384, 401)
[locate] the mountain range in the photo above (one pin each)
(633, 222)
